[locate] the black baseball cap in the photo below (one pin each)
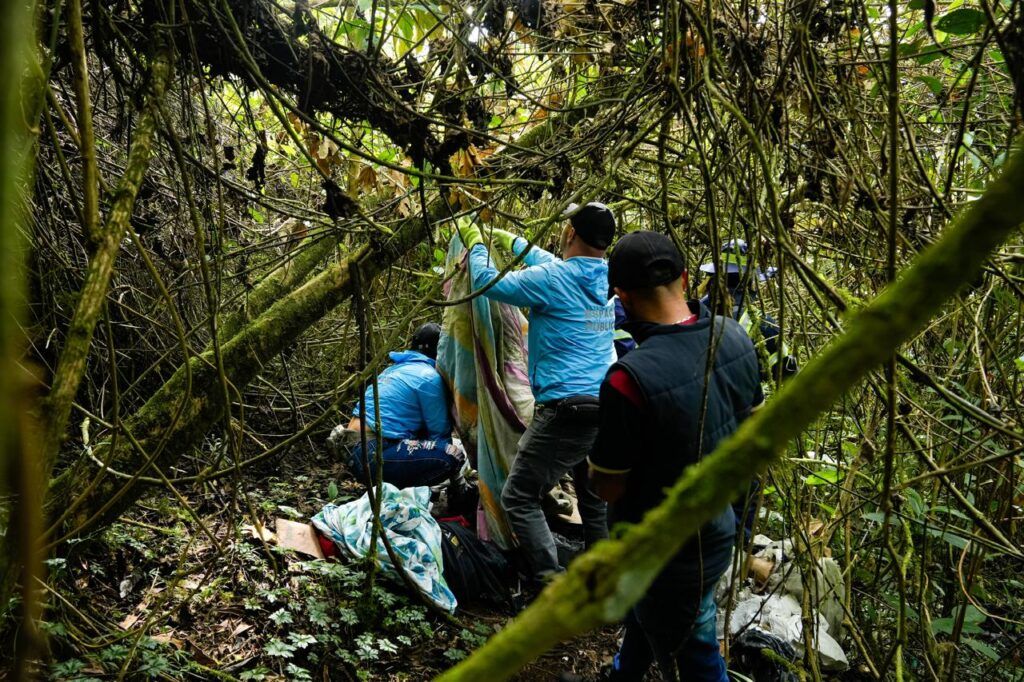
(644, 259)
(593, 222)
(425, 338)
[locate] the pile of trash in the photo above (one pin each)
(765, 610)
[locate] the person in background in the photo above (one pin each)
(660, 413)
(775, 358)
(570, 342)
(414, 424)
(623, 339)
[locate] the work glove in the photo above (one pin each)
(504, 239)
(470, 235)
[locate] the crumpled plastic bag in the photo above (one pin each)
(777, 610)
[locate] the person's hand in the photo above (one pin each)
(504, 238)
(470, 235)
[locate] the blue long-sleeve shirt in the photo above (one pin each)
(571, 318)
(413, 399)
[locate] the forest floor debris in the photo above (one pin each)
(162, 602)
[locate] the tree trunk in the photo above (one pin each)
(20, 486)
(188, 405)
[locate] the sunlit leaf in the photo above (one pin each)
(824, 476)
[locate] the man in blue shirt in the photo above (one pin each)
(570, 349)
(414, 421)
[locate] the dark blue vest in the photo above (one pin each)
(682, 424)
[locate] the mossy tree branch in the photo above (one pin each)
(603, 583)
(278, 283)
(71, 365)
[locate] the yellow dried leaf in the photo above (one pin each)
(367, 179)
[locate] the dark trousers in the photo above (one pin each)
(673, 625)
(407, 462)
(555, 443)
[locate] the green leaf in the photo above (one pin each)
(406, 26)
(297, 673)
(962, 22)
(973, 615)
(879, 517)
(53, 628)
(332, 490)
(982, 648)
(942, 509)
(1019, 363)
(824, 476)
(282, 617)
(933, 83)
(348, 616)
(945, 626)
(278, 648)
(950, 538)
(301, 640)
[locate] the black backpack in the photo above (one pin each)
(475, 570)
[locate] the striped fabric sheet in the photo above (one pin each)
(482, 357)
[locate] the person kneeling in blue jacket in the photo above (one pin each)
(415, 425)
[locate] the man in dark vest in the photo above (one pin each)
(660, 412)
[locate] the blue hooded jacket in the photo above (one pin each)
(413, 399)
(571, 318)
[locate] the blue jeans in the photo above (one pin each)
(675, 627)
(407, 463)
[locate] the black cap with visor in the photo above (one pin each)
(425, 339)
(593, 222)
(642, 260)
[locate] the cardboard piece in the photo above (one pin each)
(300, 537)
(260, 533)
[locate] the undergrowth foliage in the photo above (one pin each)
(240, 614)
(193, 334)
